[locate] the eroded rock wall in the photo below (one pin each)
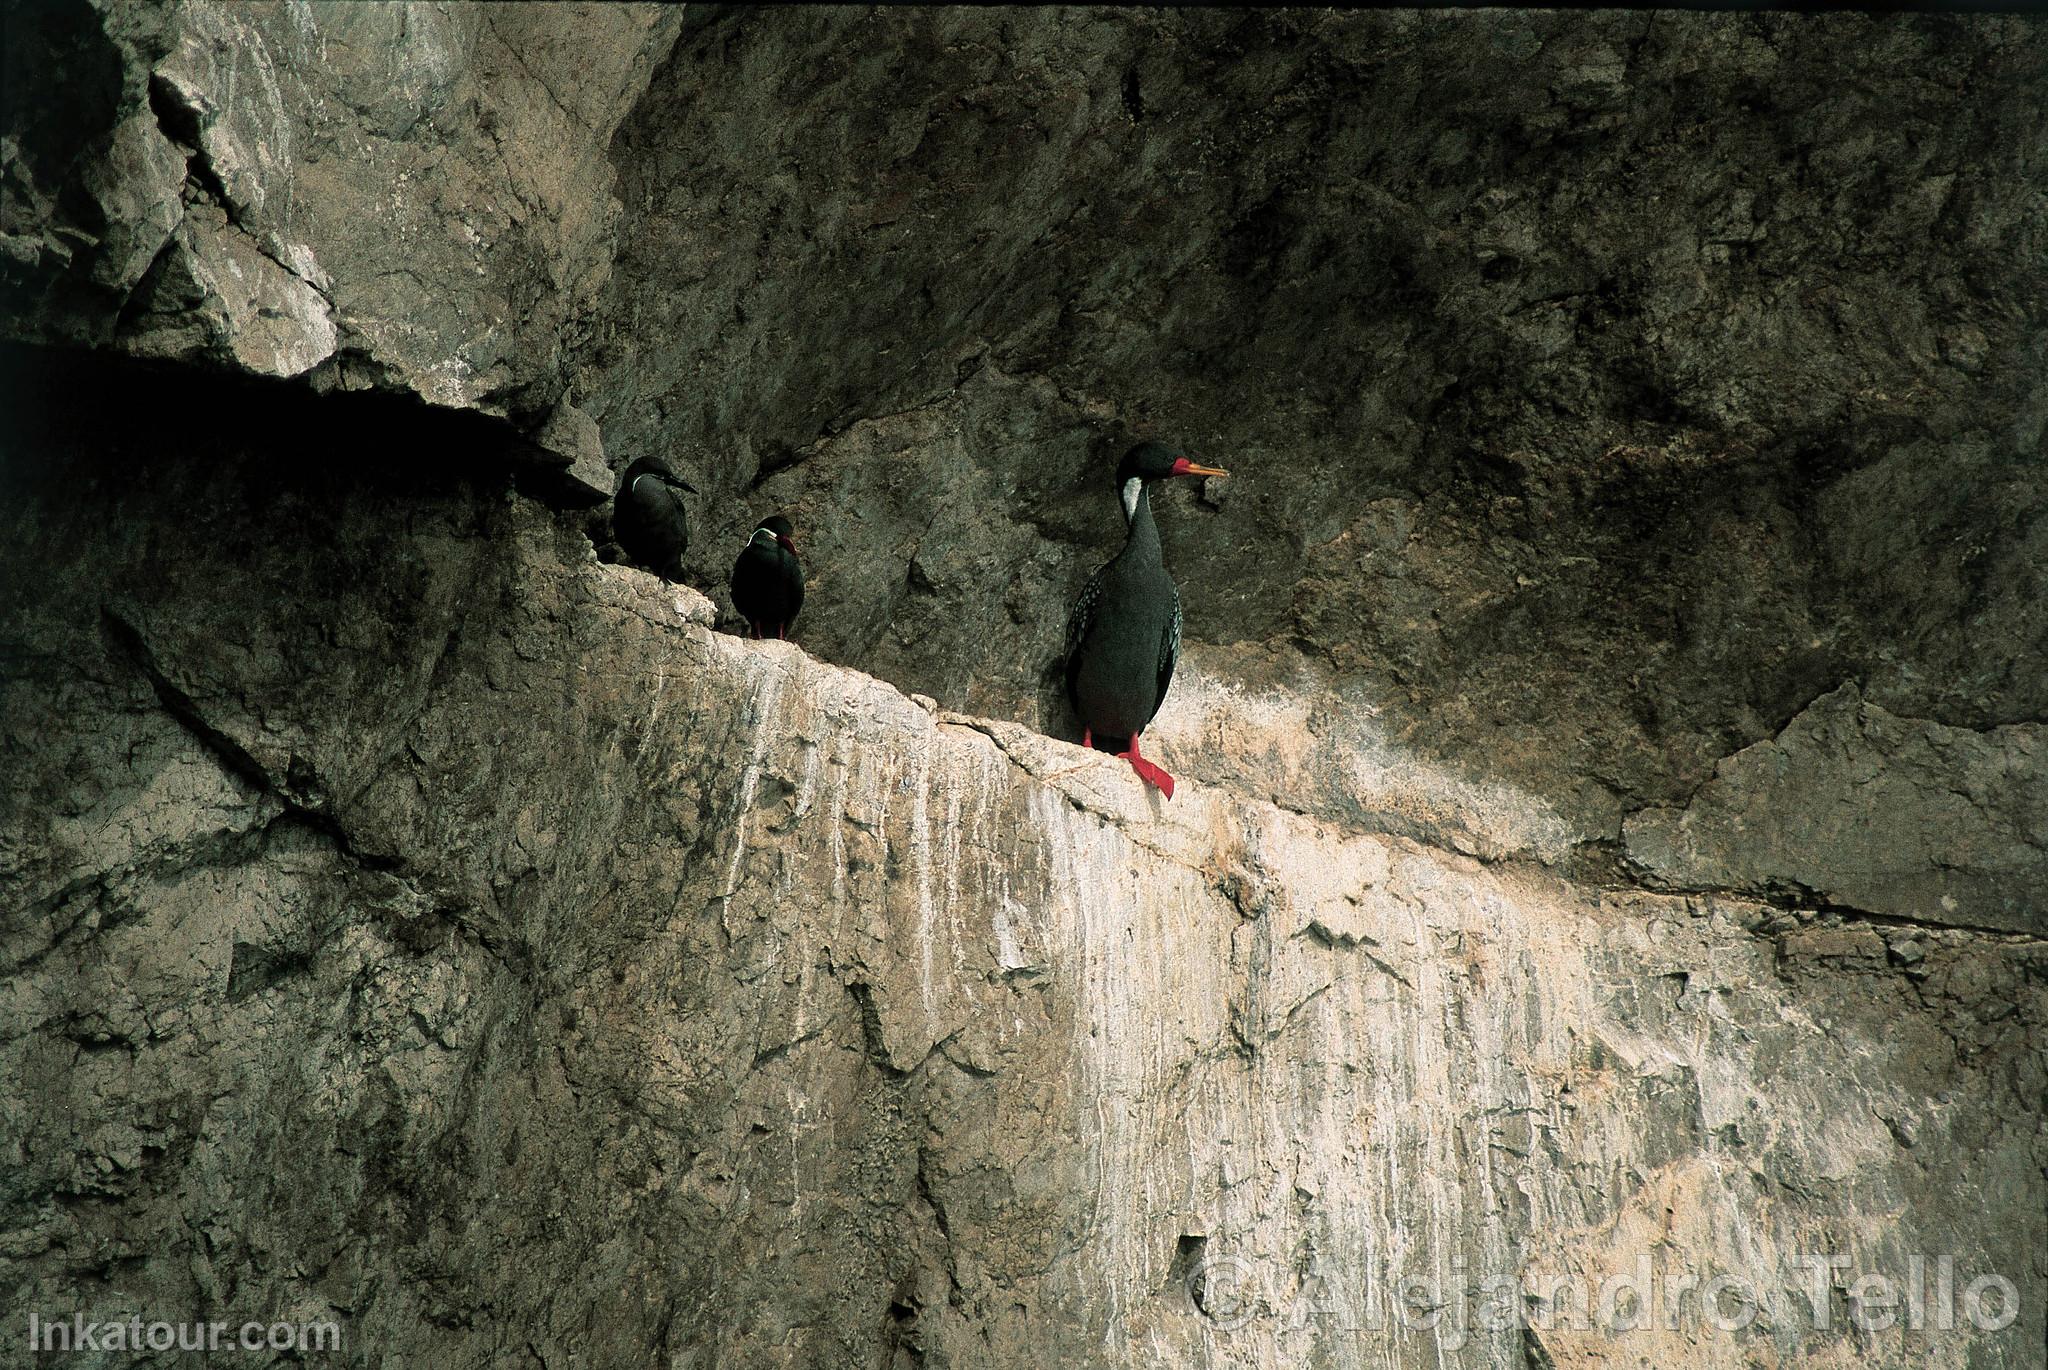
(418, 925)
(1613, 804)
(1602, 389)
(1606, 391)
(409, 197)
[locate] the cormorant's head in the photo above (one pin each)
(657, 468)
(1154, 461)
(778, 529)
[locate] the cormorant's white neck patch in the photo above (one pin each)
(1133, 488)
(634, 488)
(760, 534)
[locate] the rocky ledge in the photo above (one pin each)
(422, 927)
(1602, 915)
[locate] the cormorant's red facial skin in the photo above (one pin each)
(788, 544)
(1183, 467)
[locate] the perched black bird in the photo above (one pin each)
(648, 517)
(1124, 636)
(768, 580)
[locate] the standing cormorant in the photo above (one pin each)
(1124, 636)
(768, 580)
(648, 519)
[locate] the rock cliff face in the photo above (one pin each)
(1612, 832)
(409, 196)
(1603, 391)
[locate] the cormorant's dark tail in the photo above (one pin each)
(1115, 746)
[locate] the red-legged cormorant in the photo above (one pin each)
(768, 580)
(648, 519)
(1124, 636)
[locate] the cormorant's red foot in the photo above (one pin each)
(1147, 772)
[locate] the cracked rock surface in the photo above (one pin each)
(1583, 438)
(1600, 390)
(1612, 813)
(410, 197)
(420, 925)
(1853, 805)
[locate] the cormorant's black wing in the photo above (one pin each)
(1169, 652)
(1077, 627)
(796, 586)
(651, 525)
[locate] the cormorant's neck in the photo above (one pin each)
(1142, 536)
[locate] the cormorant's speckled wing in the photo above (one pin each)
(1077, 627)
(1169, 652)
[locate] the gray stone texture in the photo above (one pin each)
(1853, 805)
(1602, 389)
(1612, 817)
